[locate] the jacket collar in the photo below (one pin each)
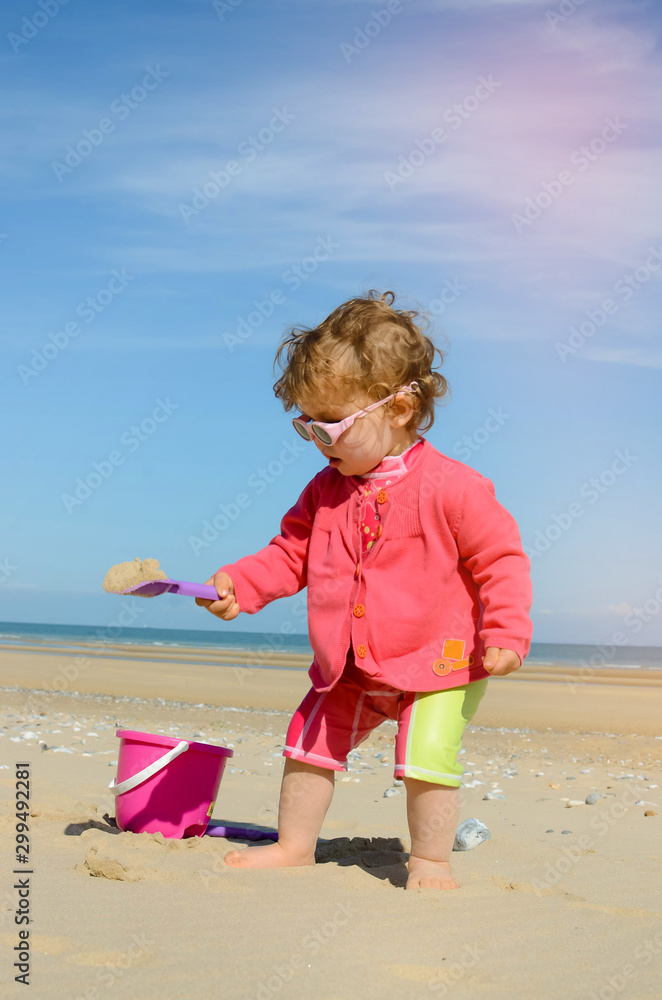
(353, 484)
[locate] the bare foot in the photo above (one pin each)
(424, 874)
(268, 856)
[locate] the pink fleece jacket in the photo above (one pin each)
(448, 578)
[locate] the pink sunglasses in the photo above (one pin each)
(328, 433)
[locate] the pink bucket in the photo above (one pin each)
(165, 785)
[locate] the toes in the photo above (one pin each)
(233, 858)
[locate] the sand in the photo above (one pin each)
(539, 914)
(123, 575)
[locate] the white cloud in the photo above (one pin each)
(637, 356)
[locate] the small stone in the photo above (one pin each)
(398, 782)
(493, 795)
(591, 799)
(390, 792)
(566, 831)
(650, 812)
(549, 831)
(574, 802)
(551, 785)
(470, 834)
(539, 774)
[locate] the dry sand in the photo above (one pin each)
(539, 914)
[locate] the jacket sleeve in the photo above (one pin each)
(280, 568)
(489, 544)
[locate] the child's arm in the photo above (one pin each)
(277, 570)
(490, 546)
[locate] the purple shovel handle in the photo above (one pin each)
(156, 587)
(247, 832)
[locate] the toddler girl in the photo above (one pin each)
(418, 586)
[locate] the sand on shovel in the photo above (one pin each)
(129, 574)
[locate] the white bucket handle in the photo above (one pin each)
(147, 772)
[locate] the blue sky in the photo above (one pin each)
(496, 163)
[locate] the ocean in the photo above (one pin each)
(73, 636)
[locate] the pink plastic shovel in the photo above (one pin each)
(154, 588)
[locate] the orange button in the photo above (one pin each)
(359, 610)
(358, 569)
(361, 651)
(382, 496)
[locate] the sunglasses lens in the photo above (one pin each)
(321, 434)
(302, 430)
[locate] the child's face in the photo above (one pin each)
(370, 438)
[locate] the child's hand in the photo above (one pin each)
(226, 607)
(500, 661)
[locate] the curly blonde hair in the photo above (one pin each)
(365, 345)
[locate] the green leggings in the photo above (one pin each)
(433, 724)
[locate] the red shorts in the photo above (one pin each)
(328, 724)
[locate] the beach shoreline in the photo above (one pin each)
(561, 698)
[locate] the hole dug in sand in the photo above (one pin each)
(134, 857)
